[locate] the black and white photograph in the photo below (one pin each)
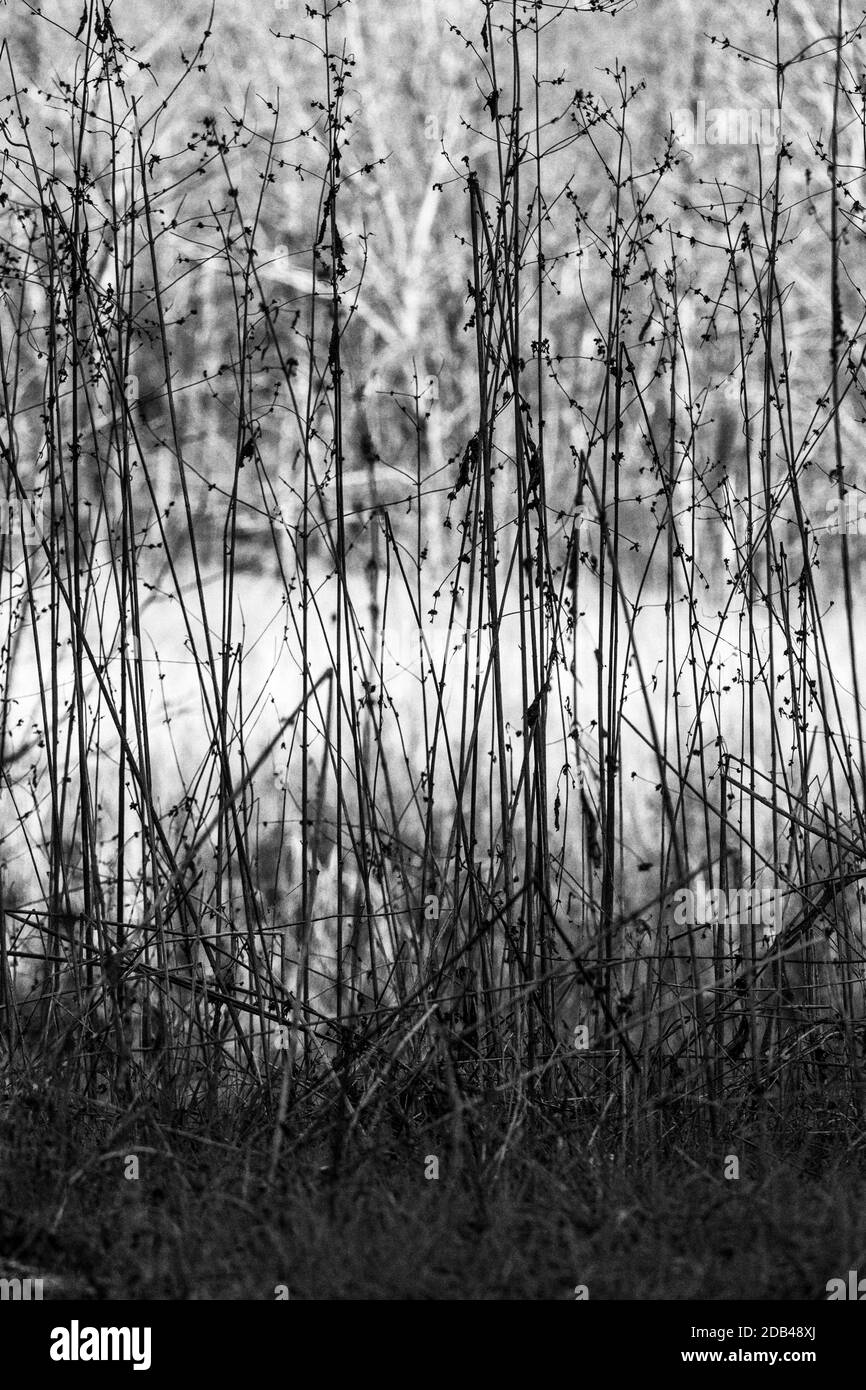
(432, 681)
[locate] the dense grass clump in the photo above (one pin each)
(513, 1214)
(430, 690)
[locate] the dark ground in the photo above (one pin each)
(531, 1220)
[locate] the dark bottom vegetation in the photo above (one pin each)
(527, 1205)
